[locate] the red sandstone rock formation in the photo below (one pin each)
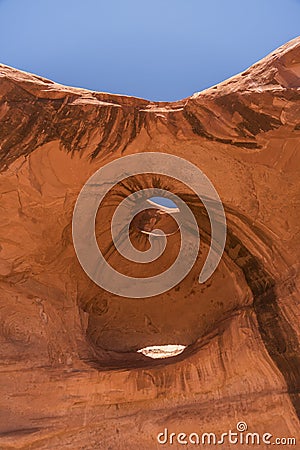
(71, 376)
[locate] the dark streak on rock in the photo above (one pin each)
(199, 130)
(277, 334)
(253, 122)
(31, 122)
(19, 432)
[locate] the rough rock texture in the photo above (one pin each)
(71, 376)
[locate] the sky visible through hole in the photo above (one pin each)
(163, 201)
(159, 50)
(162, 351)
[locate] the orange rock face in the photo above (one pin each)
(72, 375)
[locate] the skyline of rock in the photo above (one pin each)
(72, 376)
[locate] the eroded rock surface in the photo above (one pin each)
(71, 373)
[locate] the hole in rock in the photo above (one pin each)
(164, 203)
(162, 351)
(160, 216)
(127, 333)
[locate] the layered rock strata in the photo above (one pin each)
(72, 375)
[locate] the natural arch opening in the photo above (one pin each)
(158, 217)
(137, 332)
(162, 351)
(164, 203)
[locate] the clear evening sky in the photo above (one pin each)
(155, 49)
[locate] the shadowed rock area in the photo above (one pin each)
(72, 371)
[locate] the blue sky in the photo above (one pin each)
(159, 49)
